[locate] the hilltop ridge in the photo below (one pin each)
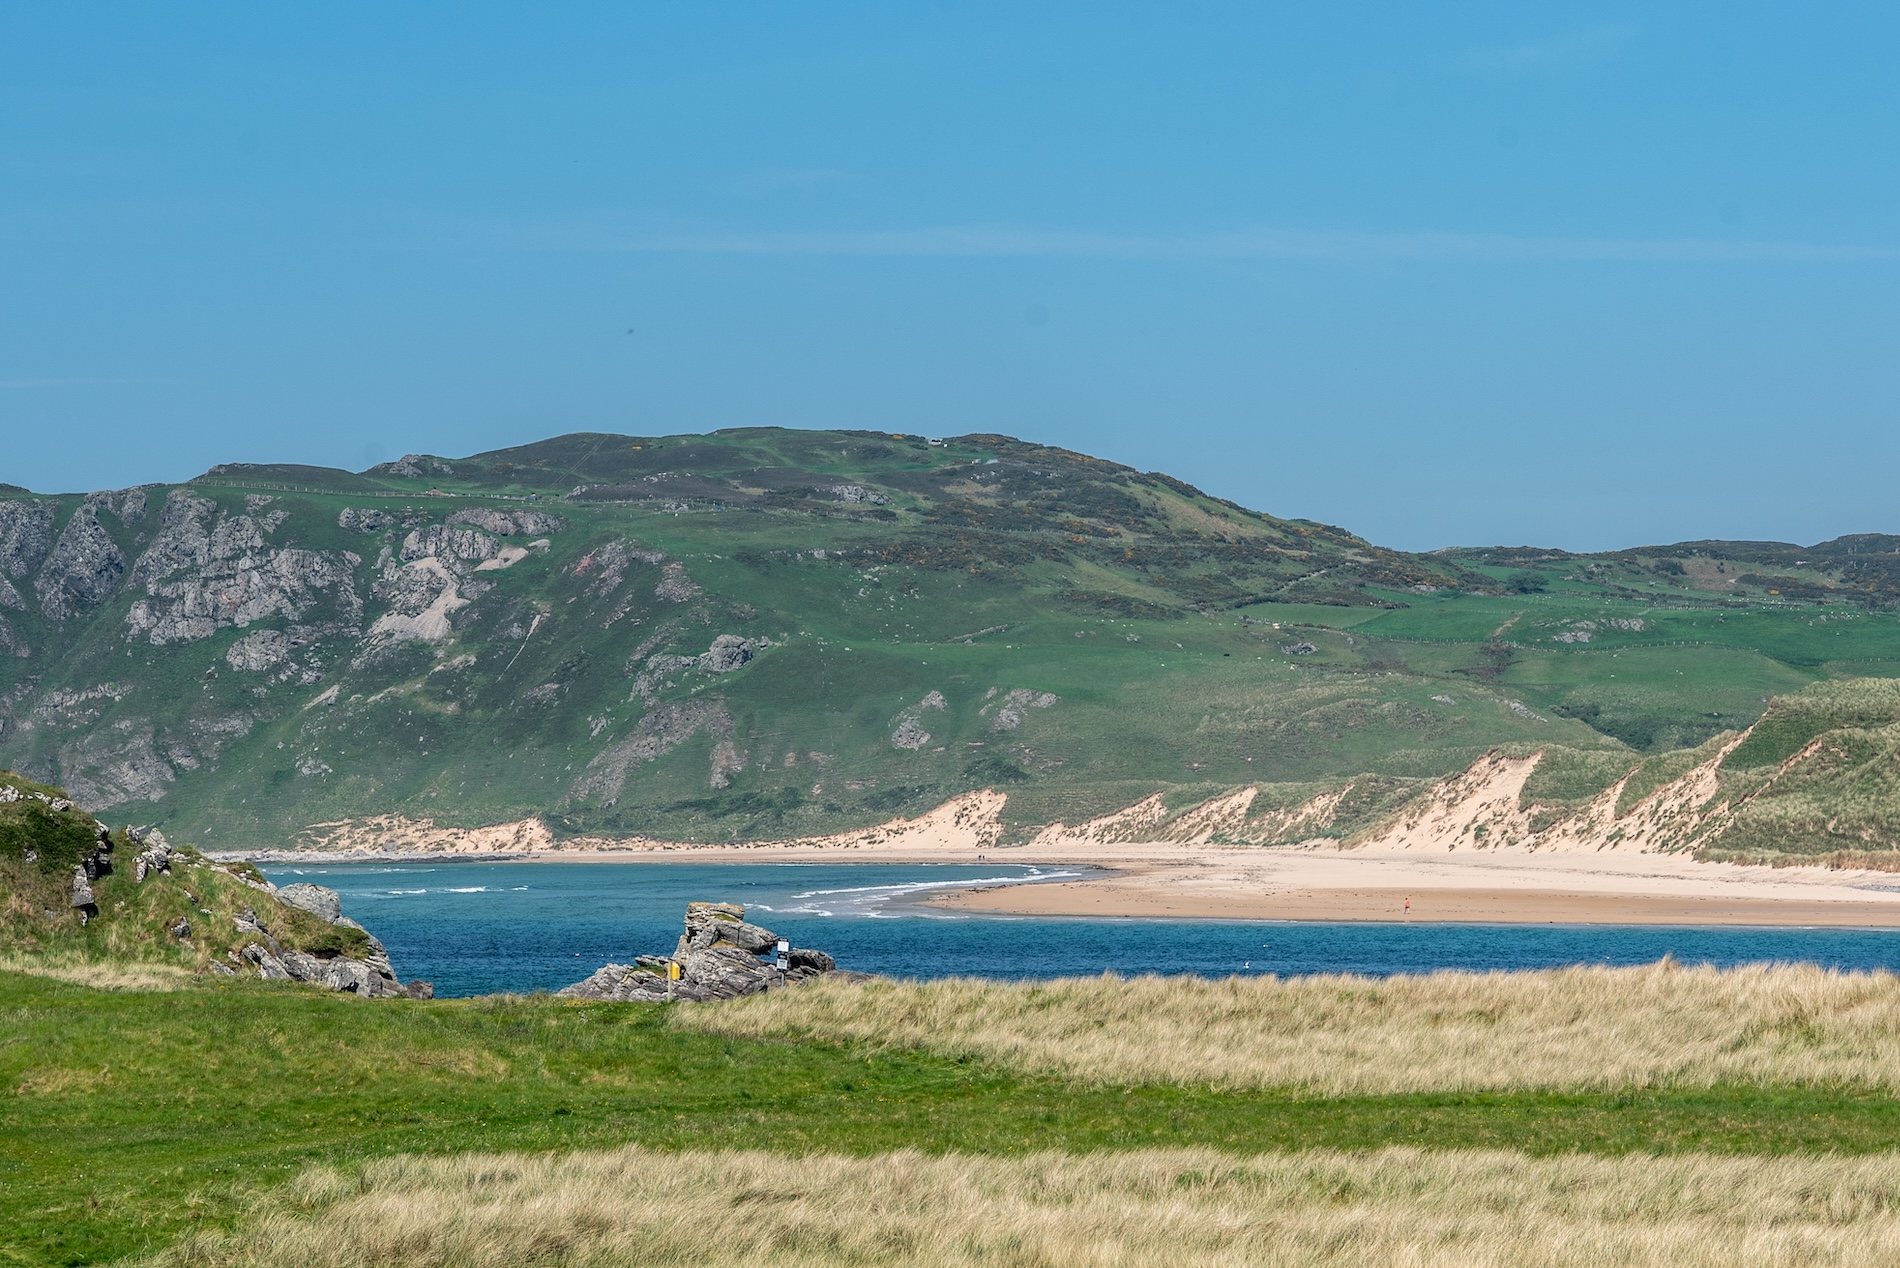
(759, 633)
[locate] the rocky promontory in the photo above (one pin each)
(719, 956)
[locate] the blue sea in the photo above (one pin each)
(473, 928)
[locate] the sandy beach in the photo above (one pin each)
(1302, 885)
(1176, 881)
(1428, 871)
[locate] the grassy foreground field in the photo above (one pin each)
(138, 1117)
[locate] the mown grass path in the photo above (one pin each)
(130, 1118)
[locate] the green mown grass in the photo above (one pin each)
(133, 1118)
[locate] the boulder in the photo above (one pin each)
(315, 899)
(728, 972)
(82, 888)
(806, 958)
(350, 975)
(619, 982)
(269, 967)
(302, 966)
(729, 652)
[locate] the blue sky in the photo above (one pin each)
(1577, 275)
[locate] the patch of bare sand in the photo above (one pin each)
(963, 825)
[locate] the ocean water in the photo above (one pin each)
(474, 928)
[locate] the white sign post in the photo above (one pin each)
(784, 960)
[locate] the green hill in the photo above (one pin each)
(763, 632)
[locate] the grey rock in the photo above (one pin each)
(728, 972)
(1009, 710)
(85, 567)
(746, 937)
(244, 589)
(26, 535)
(181, 930)
(509, 523)
(222, 969)
(858, 493)
(350, 975)
(621, 983)
(675, 585)
(419, 989)
(657, 733)
(315, 899)
(183, 539)
(82, 888)
(720, 955)
(909, 735)
(269, 967)
(538, 523)
(302, 966)
(259, 650)
(364, 519)
(729, 652)
(440, 541)
(414, 466)
(154, 858)
(9, 597)
(1299, 649)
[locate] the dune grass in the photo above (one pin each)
(129, 1118)
(635, 1206)
(1577, 1029)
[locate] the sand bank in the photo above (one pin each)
(1428, 861)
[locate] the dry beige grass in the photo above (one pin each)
(105, 977)
(1175, 1207)
(1584, 1028)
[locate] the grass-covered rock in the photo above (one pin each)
(148, 903)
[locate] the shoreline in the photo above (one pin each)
(1171, 881)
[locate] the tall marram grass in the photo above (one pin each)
(1578, 1028)
(1175, 1207)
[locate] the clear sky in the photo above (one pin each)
(1576, 275)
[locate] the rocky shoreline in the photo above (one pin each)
(719, 956)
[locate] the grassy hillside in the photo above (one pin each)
(763, 632)
(191, 916)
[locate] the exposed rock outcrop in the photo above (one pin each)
(362, 519)
(26, 535)
(371, 977)
(658, 733)
(206, 571)
(319, 901)
(719, 956)
(85, 567)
